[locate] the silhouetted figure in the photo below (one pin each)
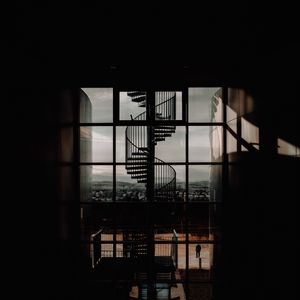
(198, 250)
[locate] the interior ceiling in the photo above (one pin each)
(212, 43)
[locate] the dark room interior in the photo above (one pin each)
(124, 219)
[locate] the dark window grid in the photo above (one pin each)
(240, 140)
(203, 281)
(186, 104)
(156, 242)
(120, 203)
(203, 163)
(146, 122)
(185, 117)
(117, 102)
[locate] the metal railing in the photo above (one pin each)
(174, 248)
(130, 249)
(137, 148)
(95, 249)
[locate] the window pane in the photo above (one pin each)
(180, 182)
(172, 147)
(169, 183)
(133, 105)
(205, 183)
(200, 261)
(168, 106)
(130, 184)
(250, 133)
(205, 143)
(96, 144)
(205, 104)
(216, 139)
(231, 118)
(96, 105)
(120, 143)
(96, 183)
(132, 139)
(169, 231)
(231, 143)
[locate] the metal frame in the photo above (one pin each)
(150, 122)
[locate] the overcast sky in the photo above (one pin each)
(172, 149)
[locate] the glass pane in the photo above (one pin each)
(96, 144)
(133, 105)
(169, 231)
(96, 183)
(130, 141)
(170, 145)
(131, 184)
(216, 139)
(168, 106)
(96, 105)
(120, 143)
(205, 104)
(205, 143)
(86, 182)
(205, 183)
(250, 133)
(200, 263)
(180, 182)
(169, 182)
(231, 118)
(231, 143)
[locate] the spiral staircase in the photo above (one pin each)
(139, 164)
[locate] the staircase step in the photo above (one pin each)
(137, 167)
(142, 104)
(159, 139)
(142, 181)
(164, 130)
(140, 153)
(137, 158)
(138, 99)
(165, 127)
(163, 135)
(163, 117)
(143, 148)
(135, 93)
(144, 171)
(144, 176)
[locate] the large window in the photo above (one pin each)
(152, 161)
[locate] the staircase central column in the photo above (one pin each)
(150, 192)
(151, 145)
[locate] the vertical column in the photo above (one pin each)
(185, 101)
(115, 119)
(75, 206)
(150, 191)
